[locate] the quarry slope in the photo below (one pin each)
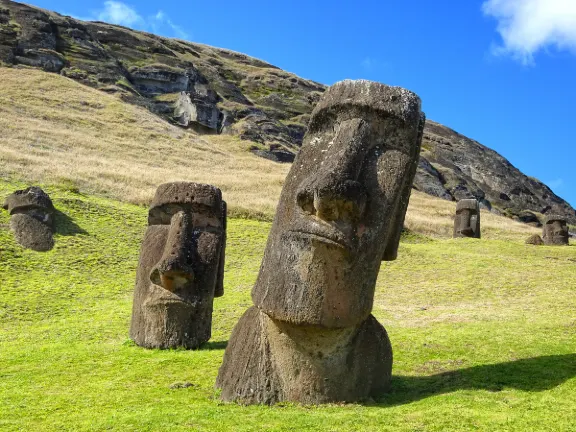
(214, 91)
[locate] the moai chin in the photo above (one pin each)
(181, 267)
(555, 231)
(310, 336)
(467, 220)
(32, 218)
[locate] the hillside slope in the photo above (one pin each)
(217, 91)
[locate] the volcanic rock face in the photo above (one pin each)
(213, 90)
(32, 218)
(181, 267)
(310, 336)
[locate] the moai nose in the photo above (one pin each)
(334, 200)
(335, 194)
(175, 270)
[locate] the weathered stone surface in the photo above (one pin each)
(310, 337)
(555, 231)
(32, 218)
(467, 220)
(535, 240)
(181, 267)
(255, 101)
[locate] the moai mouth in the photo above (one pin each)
(181, 267)
(310, 337)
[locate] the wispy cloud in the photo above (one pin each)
(555, 184)
(115, 12)
(530, 26)
(367, 64)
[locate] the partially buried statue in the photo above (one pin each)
(467, 220)
(555, 231)
(310, 336)
(181, 267)
(32, 218)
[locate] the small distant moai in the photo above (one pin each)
(181, 267)
(310, 336)
(467, 220)
(555, 231)
(32, 218)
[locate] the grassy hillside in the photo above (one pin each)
(482, 331)
(59, 132)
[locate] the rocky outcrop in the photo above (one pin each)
(213, 90)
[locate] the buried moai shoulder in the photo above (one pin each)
(310, 336)
(555, 231)
(181, 267)
(31, 218)
(467, 220)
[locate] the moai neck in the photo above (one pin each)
(310, 360)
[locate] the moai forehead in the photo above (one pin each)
(468, 204)
(196, 197)
(551, 219)
(29, 198)
(342, 206)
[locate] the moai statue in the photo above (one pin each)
(467, 220)
(555, 231)
(32, 218)
(181, 267)
(310, 336)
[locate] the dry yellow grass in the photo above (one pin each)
(56, 131)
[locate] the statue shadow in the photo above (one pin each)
(529, 375)
(216, 345)
(65, 225)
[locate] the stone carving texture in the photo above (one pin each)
(467, 220)
(32, 218)
(555, 231)
(181, 267)
(310, 336)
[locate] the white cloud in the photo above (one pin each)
(529, 26)
(115, 12)
(162, 19)
(555, 184)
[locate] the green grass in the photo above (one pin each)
(483, 335)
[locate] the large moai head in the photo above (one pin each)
(181, 267)
(32, 218)
(555, 231)
(467, 220)
(342, 207)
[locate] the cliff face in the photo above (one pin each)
(212, 90)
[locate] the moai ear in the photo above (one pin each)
(397, 220)
(219, 290)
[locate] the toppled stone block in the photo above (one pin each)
(535, 240)
(181, 267)
(32, 218)
(310, 336)
(467, 220)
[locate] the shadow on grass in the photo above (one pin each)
(531, 375)
(217, 345)
(65, 225)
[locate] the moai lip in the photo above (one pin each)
(467, 220)
(555, 231)
(181, 267)
(32, 218)
(310, 336)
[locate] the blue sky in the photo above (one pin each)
(502, 72)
